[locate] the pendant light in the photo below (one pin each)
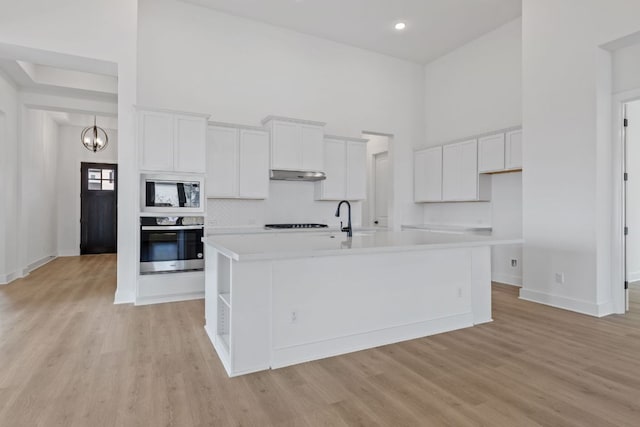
(94, 138)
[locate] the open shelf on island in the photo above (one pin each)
(225, 298)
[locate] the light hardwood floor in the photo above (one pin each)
(69, 357)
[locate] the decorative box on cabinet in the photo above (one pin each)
(237, 162)
(171, 141)
(345, 161)
(296, 144)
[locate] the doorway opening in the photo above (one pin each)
(376, 210)
(631, 211)
(98, 208)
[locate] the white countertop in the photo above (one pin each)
(252, 229)
(247, 247)
(453, 228)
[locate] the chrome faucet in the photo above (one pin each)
(348, 229)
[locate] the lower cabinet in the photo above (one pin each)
(237, 162)
(345, 163)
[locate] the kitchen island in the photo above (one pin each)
(273, 300)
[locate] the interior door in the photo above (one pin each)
(98, 208)
(381, 190)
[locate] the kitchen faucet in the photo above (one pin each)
(348, 229)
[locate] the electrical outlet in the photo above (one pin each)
(514, 263)
(294, 317)
(560, 278)
(459, 292)
(212, 222)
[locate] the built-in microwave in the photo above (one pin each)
(172, 193)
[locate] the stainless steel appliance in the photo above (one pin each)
(171, 244)
(172, 193)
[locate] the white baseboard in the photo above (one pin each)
(39, 263)
(565, 303)
(5, 279)
(507, 279)
(68, 253)
(169, 298)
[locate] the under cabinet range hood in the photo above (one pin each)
(287, 175)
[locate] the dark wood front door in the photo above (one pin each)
(98, 211)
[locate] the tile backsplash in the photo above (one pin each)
(288, 202)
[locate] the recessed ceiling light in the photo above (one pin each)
(400, 26)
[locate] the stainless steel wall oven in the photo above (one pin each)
(171, 244)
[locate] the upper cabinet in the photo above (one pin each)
(296, 144)
(449, 173)
(500, 152)
(237, 162)
(345, 161)
(427, 182)
(513, 149)
(491, 153)
(171, 142)
(460, 181)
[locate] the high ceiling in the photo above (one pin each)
(434, 27)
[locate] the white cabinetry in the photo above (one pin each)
(491, 153)
(500, 152)
(295, 144)
(427, 185)
(345, 161)
(513, 149)
(460, 171)
(171, 142)
(237, 162)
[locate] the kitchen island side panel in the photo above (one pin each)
(333, 305)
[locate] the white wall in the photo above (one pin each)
(71, 153)
(567, 177)
(8, 178)
(38, 159)
(288, 202)
(54, 27)
(474, 90)
(626, 68)
(240, 71)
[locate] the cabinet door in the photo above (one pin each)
(222, 162)
(335, 161)
(491, 153)
(460, 171)
(155, 136)
(312, 139)
(285, 146)
(513, 150)
(468, 171)
(427, 175)
(254, 164)
(190, 144)
(356, 171)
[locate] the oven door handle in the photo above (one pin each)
(171, 227)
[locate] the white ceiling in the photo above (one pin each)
(434, 27)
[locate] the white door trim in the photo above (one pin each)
(617, 241)
(372, 206)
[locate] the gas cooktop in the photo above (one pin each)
(286, 226)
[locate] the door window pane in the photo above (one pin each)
(95, 184)
(101, 179)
